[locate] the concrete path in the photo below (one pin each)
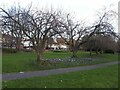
(13, 76)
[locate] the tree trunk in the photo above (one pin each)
(39, 57)
(74, 54)
(40, 50)
(11, 45)
(18, 47)
(90, 52)
(96, 51)
(18, 43)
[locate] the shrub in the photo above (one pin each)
(59, 51)
(9, 50)
(109, 51)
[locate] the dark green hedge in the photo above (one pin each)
(109, 51)
(9, 50)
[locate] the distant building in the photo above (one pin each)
(8, 41)
(57, 44)
(27, 44)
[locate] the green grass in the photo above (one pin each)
(25, 61)
(105, 77)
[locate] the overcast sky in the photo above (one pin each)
(81, 9)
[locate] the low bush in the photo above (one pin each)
(59, 51)
(109, 51)
(9, 50)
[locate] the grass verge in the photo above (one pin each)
(105, 77)
(25, 61)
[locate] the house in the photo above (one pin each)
(8, 41)
(27, 45)
(51, 44)
(57, 44)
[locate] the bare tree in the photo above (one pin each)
(74, 32)
(102, 29)
(38, 26)
(42, 26)
(101, 43)
(11, 27)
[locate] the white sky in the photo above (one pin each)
(81, 9)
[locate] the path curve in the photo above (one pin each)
(13, 76)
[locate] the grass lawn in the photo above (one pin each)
(105, 77)
(25, 61)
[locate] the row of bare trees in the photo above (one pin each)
(101, 43)
(40, 25)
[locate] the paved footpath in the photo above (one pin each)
(13, 76)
